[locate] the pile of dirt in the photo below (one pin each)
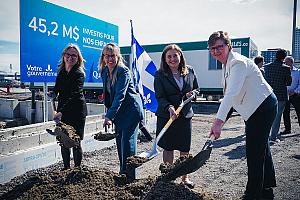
(65, 135)
(167, 167)
(92, 183)
(224, 175)
(67, 130)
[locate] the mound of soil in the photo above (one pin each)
(224, 175)
(92, 183)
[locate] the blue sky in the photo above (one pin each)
(267, 22)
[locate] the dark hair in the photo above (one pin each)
(258, 59)
(281, 54)
(164, 67)
(219, 35)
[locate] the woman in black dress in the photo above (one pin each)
(71, 107)
(173, 82)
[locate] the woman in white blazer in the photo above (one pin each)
(250, 95)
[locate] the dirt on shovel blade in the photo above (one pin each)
(104, 136)
(92, 183)
(167, 168)
(68, 130)
(136, 161)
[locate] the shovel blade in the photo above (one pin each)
(189, 166)
(149, 154)
(51, 132)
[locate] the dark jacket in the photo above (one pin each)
(278, 75)
(69, 87)
(123, 103)
(168, 93)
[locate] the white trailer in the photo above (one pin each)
(208, 70)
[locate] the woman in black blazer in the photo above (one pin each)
(71, 107)
(174, 82)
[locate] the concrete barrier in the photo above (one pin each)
(30, 147)
(33, 135)
(25, 110)
(9, 108)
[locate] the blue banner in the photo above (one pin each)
(46, 29)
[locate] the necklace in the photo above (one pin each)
(174, 73)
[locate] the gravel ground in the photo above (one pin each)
(224, 175)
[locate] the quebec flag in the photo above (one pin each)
(143, 70)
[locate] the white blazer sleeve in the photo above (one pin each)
(234, 81)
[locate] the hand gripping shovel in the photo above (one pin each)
(64, 133)
(191, 165)
(106, 134)
(154, 151)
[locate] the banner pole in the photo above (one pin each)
(45, 87)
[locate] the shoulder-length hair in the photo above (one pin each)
(114, 49)
(80, 60)
(164, 67)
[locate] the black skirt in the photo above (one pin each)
(178, 136)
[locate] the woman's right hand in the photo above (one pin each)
(172, 112)
(107, 122)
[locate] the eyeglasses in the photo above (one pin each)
(67, 55)
(107, 56)
(218, 47)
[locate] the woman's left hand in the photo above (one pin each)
(189, 94)
(57, 116)
(216, 128)
(173, 113)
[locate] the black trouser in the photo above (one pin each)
(78, 125)
(261, 173)
(77, 155)
(295, 101)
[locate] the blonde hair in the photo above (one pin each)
(79, 61)
(114, 49)
(164, 67)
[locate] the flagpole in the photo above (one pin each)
(131, 32)
(131, 56)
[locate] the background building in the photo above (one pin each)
(297, 44)
(270, 55)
